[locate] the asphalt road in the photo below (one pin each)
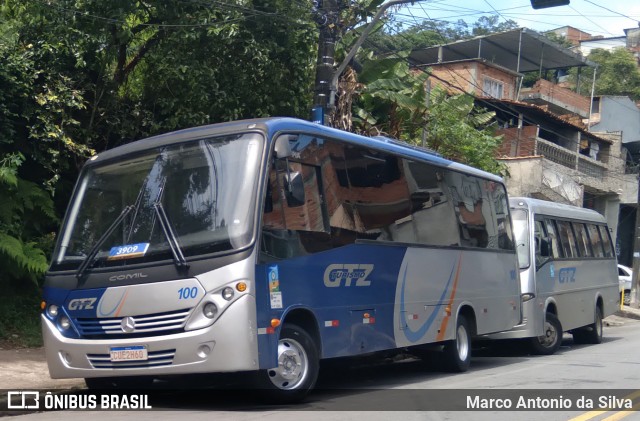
(407, 389)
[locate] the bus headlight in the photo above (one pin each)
(52, 311)
(214, 304)
(64, 323)
(227, 293)
(210, 310)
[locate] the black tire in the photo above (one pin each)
(112, 383)
(298, 367)
(456, 354)
(627, 298)
(591, 334)
(548, 343)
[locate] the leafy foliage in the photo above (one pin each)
(617, 73)
(432, 32)
(393, 102)
(82, 76)
(25, 213)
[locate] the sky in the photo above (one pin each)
(598, 17)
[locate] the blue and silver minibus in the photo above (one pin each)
(568, 273)
(268, 245)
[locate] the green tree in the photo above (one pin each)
(393, 103)
(617, 72)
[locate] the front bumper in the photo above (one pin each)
(231, 341)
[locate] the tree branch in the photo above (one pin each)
(123, 71)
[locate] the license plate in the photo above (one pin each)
(128, 353)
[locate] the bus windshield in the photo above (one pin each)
(199, 193)
(519, 217)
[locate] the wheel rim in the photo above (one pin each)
(293, 365)
(550, 335)
(462, 343)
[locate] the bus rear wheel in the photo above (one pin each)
(551, 340)
(591, 334)
(298, 366)
(457, 353)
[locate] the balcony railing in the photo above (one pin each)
(570, 159)
(591, 167)
(556, 153)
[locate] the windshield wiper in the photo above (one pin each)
(96, 247)
(178, 256)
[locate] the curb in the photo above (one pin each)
(629, 313)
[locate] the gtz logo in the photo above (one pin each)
(567, 275)
(23, 400)
(343, 275)
(82, 304)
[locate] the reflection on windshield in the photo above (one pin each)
(206, 188)
(520, 231)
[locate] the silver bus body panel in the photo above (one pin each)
(231, 339)
(232, 348)
(574, 300)
(475, 280)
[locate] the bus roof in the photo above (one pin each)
(274, 125)
(559, 210)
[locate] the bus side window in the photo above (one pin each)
(567, 240)
(552, 234)
(583, 241)
(595, 240)
(542, 251)
(606, 240)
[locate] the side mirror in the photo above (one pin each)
(283, 147)
(294, 189)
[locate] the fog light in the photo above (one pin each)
(65, 357)
(65, 323)
(203, 351)
(210, 310)
(227, 293)
(52, 311)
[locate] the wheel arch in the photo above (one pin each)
(305, 319)
(469, 314)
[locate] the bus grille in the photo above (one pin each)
(145, 325)
(155, 359)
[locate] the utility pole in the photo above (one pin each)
(327, 18)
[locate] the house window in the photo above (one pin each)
(493, 88)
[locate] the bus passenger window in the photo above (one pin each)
(472, 209)
(567, 240)
(606, 241)
(542, 243)
(595, 240)
(583, 241)
(552, 234)
(308, 216)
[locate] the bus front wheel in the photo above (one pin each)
(550, 341)
(297, 369)
(457, 353)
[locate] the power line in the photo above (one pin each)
(613, 11)
(507, 111)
